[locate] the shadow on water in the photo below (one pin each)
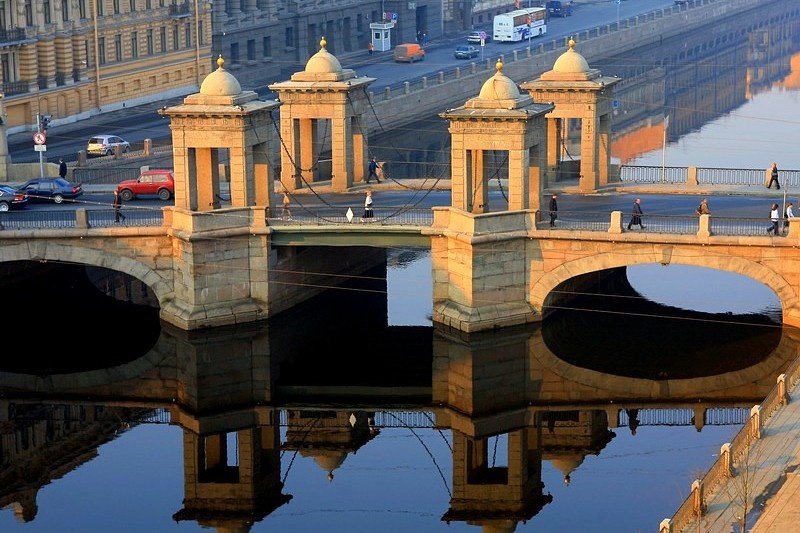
(611, 328)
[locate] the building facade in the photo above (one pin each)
(70, 59)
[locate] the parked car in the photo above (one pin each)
(160, 182)
(475, 37)
(466, 52)
(11, 199)
(106, 144)
(409, 53)
(50, 190)
(557, 8)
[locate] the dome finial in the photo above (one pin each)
(323, 43)
(571, 43)
(220, 62)
(498, 66)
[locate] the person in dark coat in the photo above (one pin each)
(117, 208)
(553, 210)
(62, 168)
(636, 218)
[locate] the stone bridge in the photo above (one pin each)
(489, 270)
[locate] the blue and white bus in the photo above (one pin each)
(520, 24)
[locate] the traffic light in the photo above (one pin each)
(44, 122)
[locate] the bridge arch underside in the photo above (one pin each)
(81, 252)
(777, 268)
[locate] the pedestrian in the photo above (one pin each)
(286, 213)
(787, 214)
(773, 177)
(370, 47)
(703, 209)
(117, 208)
(774, 216)
(636, 218)
(367, 207)
(373, 170)
(553, 210)
(62, 168)
(424, 38)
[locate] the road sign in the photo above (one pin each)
(39, 137)
(40, 148)
(483, 35)
(483, 41)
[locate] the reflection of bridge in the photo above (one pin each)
(551, 411)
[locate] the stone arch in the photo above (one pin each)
(67, 252)
(642, 254)
(754, 381)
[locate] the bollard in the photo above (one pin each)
(441, 77)
(406, 87)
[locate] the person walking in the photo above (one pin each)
(286, 213)
(373, 170)
(117, 208)
(62, 168)
(636, 218)
(787, 214)
(773, 177)
(553, 210)
(370, 47)
(367, 207)
(774, 216)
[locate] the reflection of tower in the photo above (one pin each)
(232, 496)
(328, 436)
(569, 436)
(497, 497)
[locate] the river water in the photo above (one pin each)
(107, 467)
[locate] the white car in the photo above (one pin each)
(106, 145)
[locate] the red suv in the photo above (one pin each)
(150, 182)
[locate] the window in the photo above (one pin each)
(47, 12)
(289, 36)
(28, 13)
(99, 7)
(3, 20)
(251, 50)
(234, 53)
(133, 6)
(175, 41)
(267, 47)
(5, 67)
(118, 47)
(101, 50)
(82, 8)
(64, 11)
(148, 5)
(135, 44)
(149, 38)
(116, 7)
(200, 39)
(188, 34)
(163, 38)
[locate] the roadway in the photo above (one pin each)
(135, 124)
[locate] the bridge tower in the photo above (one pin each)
(221, 117)
(578, 92)
(501, 125)
(324, 91)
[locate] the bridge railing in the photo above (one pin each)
(388, 216)
(753, 177)
(339, 215)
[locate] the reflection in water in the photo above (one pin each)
(266, 413)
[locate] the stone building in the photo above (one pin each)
(70, 59)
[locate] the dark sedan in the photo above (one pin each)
(50, 190)
(466, 52)
(11, 199)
